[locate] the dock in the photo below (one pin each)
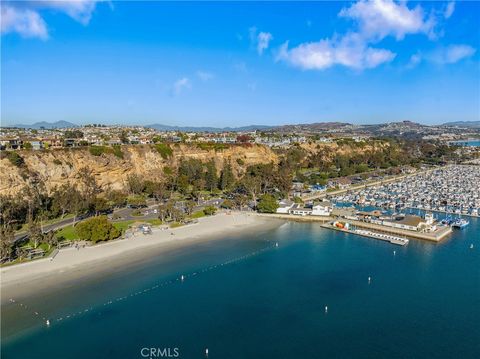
(434, 236)
(364, 233)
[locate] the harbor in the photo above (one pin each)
(453, 190)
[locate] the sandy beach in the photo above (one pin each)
(70, 263)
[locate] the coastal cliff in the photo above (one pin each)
(56, 167)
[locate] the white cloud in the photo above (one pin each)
(375, 20)
(449, 9)
(263, 40)
(25, 22)
(79, 10)
(380, 18)
(260, 41)
(180, 85)
(452, 54)
(23, 17)
(350, 51)
(205, 75)
(415, 59)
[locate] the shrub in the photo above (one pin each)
(14, 158)
(96, 150)
(240, 161)
(96, 229)
(209, 210)
(164, 150)
(57, 162)
(228, 204)
(117, 151)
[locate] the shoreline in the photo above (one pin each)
(70, 264)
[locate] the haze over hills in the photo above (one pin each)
(161, 127)
(468, 124)
(46, 125)
(386, 127)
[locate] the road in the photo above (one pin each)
(124, 213)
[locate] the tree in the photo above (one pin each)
(135, 184)
(211, 178)
(100, 204)
(35, 233)
(116, 198)
(227, 178)
(240, 200)
(267, 204)
(7, 241)
(136, 201)
(156, 190)
(189, 206)
(90, 186)
(50, 238)
(253, 186)
(97, 229)
(244, 138)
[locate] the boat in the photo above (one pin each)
(460, 223)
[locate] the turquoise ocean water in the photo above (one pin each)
(470, 143)
(269, 302)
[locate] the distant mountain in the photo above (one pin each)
(161, 127)
(465, 124)
(46, 125)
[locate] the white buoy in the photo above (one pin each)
(182, 277)
(47, 322)
(471, 246)
(326, 309)
(206, 352)
(369, 279)
(394, 252)
(276, 244)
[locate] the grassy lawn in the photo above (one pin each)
(68, 233)
(123, 225)
(50, 221)
(198, 214)
(154, 222)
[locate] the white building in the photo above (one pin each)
(298, 209)
(322, 209)
(284, 206)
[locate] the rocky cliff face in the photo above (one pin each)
(57, 167)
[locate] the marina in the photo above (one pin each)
(454, 190)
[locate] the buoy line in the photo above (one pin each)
(182, 278)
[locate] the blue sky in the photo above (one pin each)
(233, 64)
